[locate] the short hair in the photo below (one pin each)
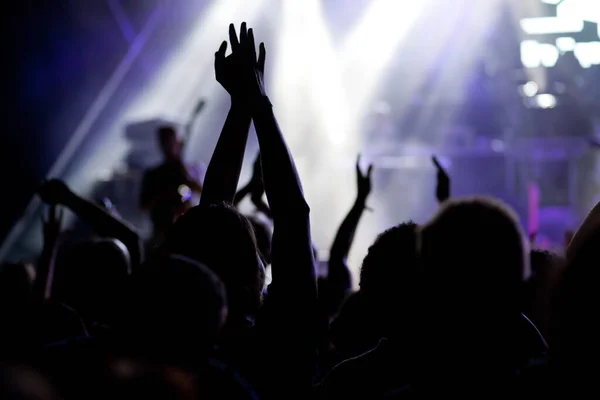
(474, 253)
(220, 237)
(390, 259)
(92, 278)
(174, 298)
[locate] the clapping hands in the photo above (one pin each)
(241, 73)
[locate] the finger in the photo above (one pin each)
(222, 50)
(262, 56)
(369, 171)
(251, 44)
(61, 212)
(436, 163)
(243, 33)
(233, 39)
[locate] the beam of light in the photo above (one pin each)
(173, 93)
(175, 90)
(309, 101)
(372, 43)
(551, 25)
(474, 23)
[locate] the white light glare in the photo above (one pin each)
(534, 54)
(588, 54)
(530, 89)
(553, 2)
(551, 25)
(565, 44)
(530, 54)
(546, 101)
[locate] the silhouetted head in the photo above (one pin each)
(170, 144)
(575, 319)
(391, 261)
(475, 259)
(387, 284)
(92, 279)
(221, 238)
(177, 306)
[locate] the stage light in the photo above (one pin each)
(551, 25)
(545, 101)
(530, 89)
(371, 44)
(565, 44)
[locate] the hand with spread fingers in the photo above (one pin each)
(240, 73)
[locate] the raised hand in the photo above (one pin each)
(254, 68)
(227, 69)
(240, 73)
(442, 190)
(363, 182)
(54, 192)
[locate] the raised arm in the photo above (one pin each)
(254, 184)
(442, 190)
(293, 266)
(56, 192)
(290, 313)
(338, 275)
(223, 172)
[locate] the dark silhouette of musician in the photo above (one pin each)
(167, 189)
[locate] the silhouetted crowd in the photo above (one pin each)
(219, 305)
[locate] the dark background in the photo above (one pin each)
(57, 57)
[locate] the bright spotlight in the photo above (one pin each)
(530, 89)
(546, 101)
(370, 45)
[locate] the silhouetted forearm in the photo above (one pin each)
(223, 172)
(293, 264)
(337, 267)
(107, 225)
